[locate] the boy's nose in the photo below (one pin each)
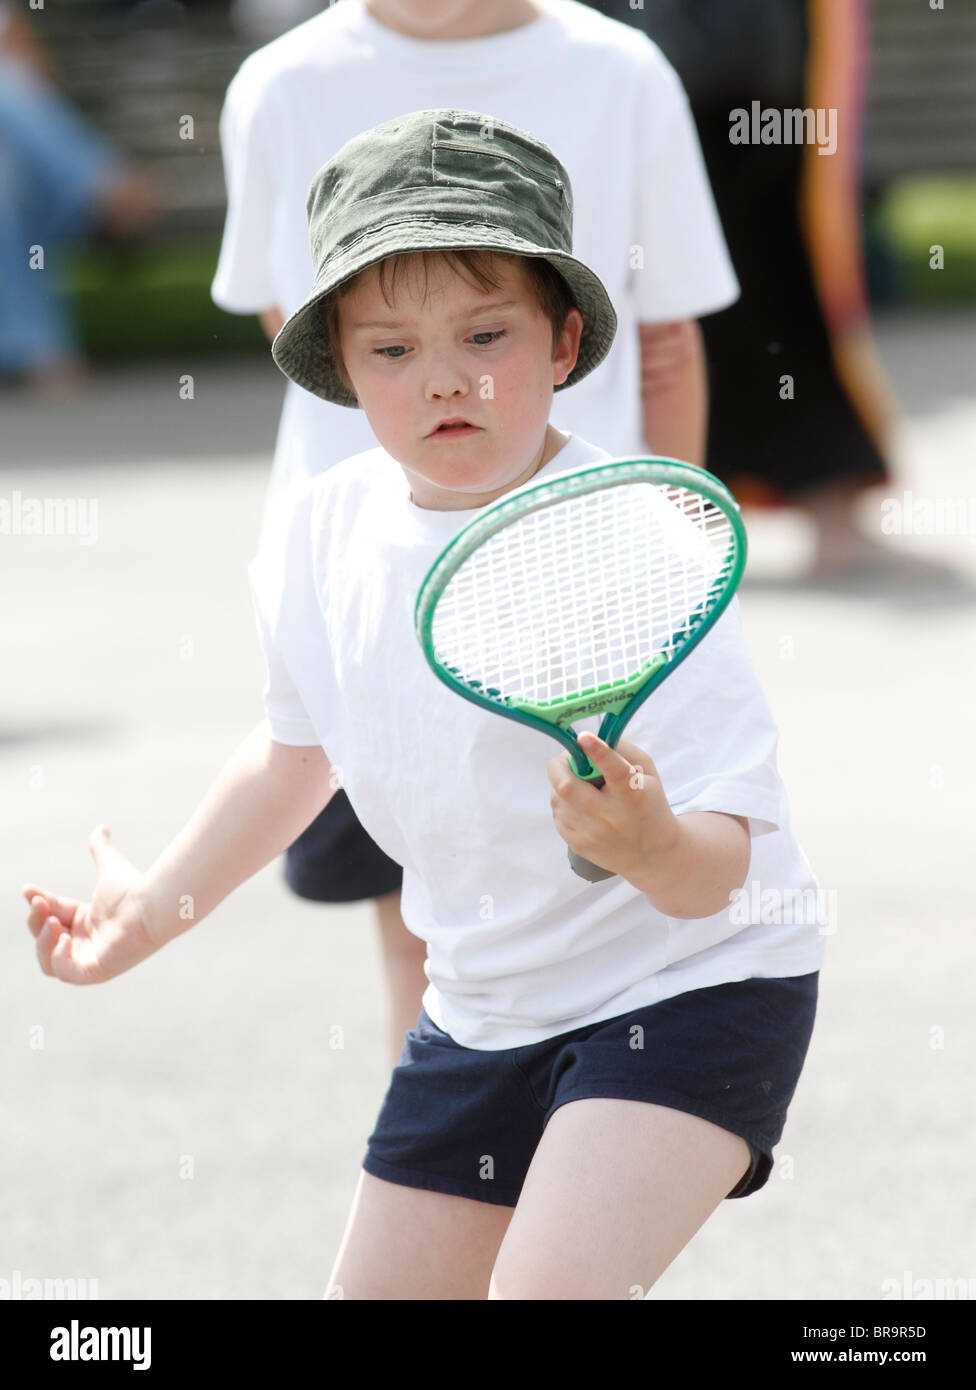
(446, 379)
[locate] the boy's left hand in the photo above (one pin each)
(625, 825)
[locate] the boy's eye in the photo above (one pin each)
(395, 353)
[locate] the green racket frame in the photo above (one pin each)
(621, 699)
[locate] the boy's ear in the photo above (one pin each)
(567, 349)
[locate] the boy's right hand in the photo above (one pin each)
(88, 943)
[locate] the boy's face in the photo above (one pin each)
(484, 357)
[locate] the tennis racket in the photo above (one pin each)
(579, 595)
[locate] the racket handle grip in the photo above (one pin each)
(584, 867)
(591, 872)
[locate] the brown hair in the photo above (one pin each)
(551, 291)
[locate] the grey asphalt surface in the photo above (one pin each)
(192, 1130)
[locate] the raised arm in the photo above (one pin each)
(266, 795)
(261, 801)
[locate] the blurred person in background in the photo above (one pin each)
(792, 219)
(643, 218)
(59, 180)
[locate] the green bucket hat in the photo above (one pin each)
(436, 180)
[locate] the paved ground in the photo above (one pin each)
(189, 1132)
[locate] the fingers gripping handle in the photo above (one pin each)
(584, 867)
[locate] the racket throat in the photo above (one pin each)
(600, 699)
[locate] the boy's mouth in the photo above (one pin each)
(454, 426)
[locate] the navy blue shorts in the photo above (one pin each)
(731, 1054)
(335, 861)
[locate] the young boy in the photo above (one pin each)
(606, 98)
(596, 1066)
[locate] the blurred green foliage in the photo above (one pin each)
(154, 300)
(908, 219)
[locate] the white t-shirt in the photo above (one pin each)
(598, 92)
(519, 948)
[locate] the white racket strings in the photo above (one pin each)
(583, 593)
